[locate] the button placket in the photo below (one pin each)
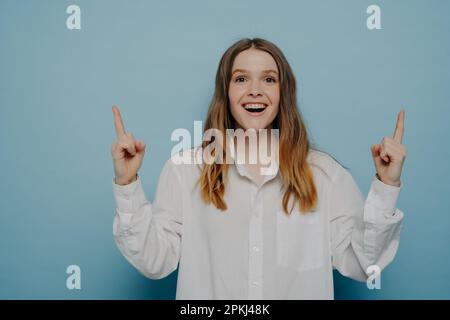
(255, 246)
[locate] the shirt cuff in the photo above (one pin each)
(383, 198)
(129, 198)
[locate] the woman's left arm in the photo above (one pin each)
(365, 233)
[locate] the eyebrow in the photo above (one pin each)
(264, 71)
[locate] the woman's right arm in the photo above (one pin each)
(148, 235)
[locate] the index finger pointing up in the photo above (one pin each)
(399, 128)
(120, 128)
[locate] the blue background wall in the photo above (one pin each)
(157, 61)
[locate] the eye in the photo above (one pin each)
(239, 79)
(270, 80)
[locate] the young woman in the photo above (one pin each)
(234, 233)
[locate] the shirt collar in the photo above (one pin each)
(269, 172)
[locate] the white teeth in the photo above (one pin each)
(254, 106)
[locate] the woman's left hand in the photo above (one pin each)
(390, 154)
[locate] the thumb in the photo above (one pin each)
(140, 146)
(375, 148)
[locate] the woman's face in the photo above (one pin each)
(254, 90)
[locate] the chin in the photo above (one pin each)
(256, 126)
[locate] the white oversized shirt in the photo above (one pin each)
(253, 250)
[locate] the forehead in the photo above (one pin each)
(254, 60)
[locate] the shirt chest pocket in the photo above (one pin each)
(300, 241)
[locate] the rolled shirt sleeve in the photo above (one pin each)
(149, 234)
(363, 232)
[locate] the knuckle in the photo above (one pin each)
(125, 145)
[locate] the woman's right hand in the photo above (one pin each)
(127, 153)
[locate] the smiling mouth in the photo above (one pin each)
(255, 108)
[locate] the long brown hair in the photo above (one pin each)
(294, 144)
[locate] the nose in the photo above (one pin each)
(254, 89)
